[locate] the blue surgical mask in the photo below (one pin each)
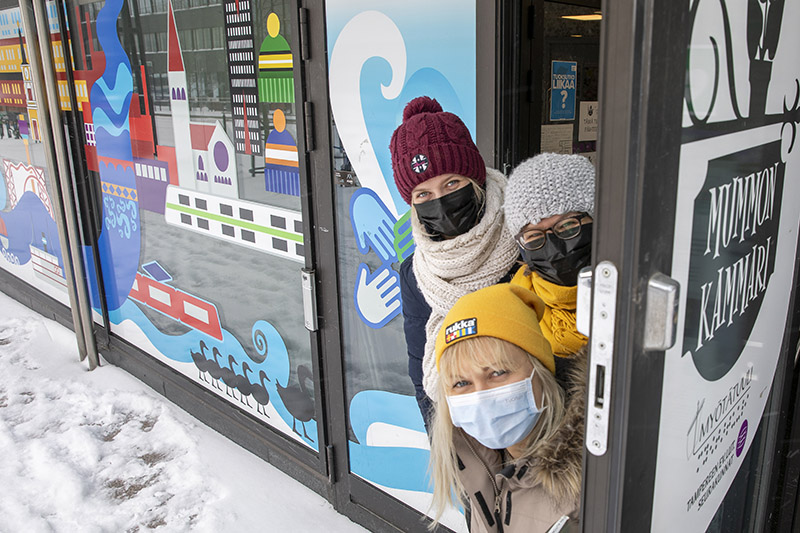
(498, 417)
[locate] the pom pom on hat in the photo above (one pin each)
(431, 142)
(423, 104)
(504, 311)
(547, 185)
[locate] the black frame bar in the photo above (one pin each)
(639, 142)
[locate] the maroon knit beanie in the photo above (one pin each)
(429, 143)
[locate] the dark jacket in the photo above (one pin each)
(529, 494)
(416, 312)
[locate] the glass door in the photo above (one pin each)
(31, 247)
(189, 125)
(694, 305)
(375, 60)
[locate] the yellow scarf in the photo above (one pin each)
(558, 320)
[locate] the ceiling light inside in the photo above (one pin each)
(583, 17)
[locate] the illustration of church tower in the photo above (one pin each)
(30, 93)
(179, 105)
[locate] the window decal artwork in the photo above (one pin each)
(30, 247)
(379, 59)
(735, 246)
(199, 260)
(275, 65)
(281, 169)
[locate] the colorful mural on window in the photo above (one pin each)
(200, 260)
(379, 60)
(30, 248)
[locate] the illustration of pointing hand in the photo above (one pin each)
(377, 296)
(373, 224)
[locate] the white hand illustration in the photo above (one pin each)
(377, 296)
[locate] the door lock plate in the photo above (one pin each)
(602, 355)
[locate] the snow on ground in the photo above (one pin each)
(101, 452)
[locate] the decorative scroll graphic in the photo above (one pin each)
(242, 76)
(763, 29)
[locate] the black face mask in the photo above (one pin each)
(450, 215)
(559, 261)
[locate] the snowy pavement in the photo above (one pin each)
(102, 452)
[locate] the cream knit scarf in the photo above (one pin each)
(447, 270)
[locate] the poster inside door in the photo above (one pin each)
(735, 245)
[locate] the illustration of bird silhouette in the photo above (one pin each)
(298, 399)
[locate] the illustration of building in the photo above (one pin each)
(204, 153)
(242, 76)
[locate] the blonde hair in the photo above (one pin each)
(482, 352)
(419, 229)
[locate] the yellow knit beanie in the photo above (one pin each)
(504, 311)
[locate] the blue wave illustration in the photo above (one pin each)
(122, 82)
(111, 94)
(106, 27)
(105, 123)
(397, 467)
(119, 244)
(232, 359)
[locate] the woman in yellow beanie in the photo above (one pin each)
(507, 438)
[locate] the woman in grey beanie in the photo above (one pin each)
(549, 205)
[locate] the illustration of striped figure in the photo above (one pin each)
(275, 66)
(281, 171)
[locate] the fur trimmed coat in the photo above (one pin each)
(532, 493)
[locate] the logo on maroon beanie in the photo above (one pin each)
(419, 163)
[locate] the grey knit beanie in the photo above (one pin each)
(547, 185)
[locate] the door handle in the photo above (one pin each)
(661, 312)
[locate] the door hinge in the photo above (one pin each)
(305, 45)
(308, 124)
(331, 456)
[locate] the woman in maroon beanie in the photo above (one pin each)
(461, 242)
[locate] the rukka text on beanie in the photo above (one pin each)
(504, 311)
